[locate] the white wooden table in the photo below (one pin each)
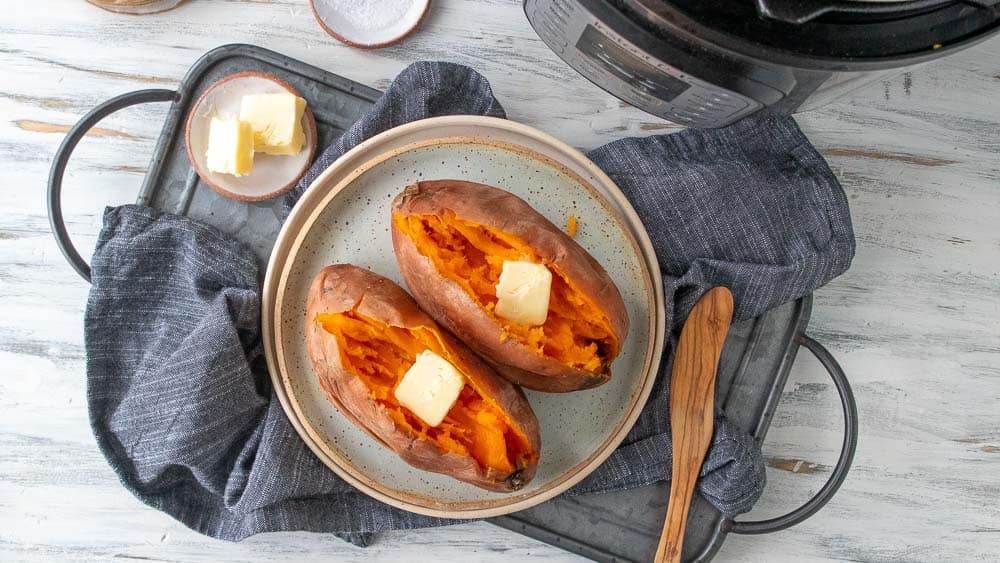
(915, 322)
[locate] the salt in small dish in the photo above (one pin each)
(370, 24)
(272, 175)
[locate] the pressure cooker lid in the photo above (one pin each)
(833, 34)
(801, 11)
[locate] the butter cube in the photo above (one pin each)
(430, 387)
(523, 292)
(276, 120)
(230, 147)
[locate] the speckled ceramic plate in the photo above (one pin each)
(344, 217)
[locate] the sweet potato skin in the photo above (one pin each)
(452, 307)
(343, 287)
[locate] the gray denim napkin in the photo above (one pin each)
(180, 399)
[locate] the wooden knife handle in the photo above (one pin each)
(692, 411)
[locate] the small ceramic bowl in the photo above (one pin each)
(370, 24)
(136, 7)
(272, 175)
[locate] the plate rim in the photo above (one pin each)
(306, 212)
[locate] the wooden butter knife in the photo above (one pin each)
(692, 409)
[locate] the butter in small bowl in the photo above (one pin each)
(276, 120)
(251, 136)
(230, 146)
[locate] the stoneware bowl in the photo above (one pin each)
(272, 175)
(344, 217)
(136, 7)
(370, 24)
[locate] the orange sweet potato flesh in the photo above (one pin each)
(380, 354)
(577, 332)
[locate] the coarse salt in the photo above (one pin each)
(371, 15)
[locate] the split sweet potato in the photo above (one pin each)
(451, 238)
(364, 332)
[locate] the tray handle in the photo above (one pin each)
(836, 479)
(62, 159)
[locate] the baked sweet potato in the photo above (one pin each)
(451, 239)
(363, 333)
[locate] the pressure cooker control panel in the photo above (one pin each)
(633, 75)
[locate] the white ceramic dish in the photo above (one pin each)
(344, 217)
(370, 24)
(136, 7)
(272, 175)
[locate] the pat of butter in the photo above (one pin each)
(430, 387)
(276, 120)
(230, 147)
(523, 292)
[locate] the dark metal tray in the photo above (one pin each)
(621, 526)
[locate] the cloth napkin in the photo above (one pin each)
(180, 398)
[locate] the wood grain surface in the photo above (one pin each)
(915, 322)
